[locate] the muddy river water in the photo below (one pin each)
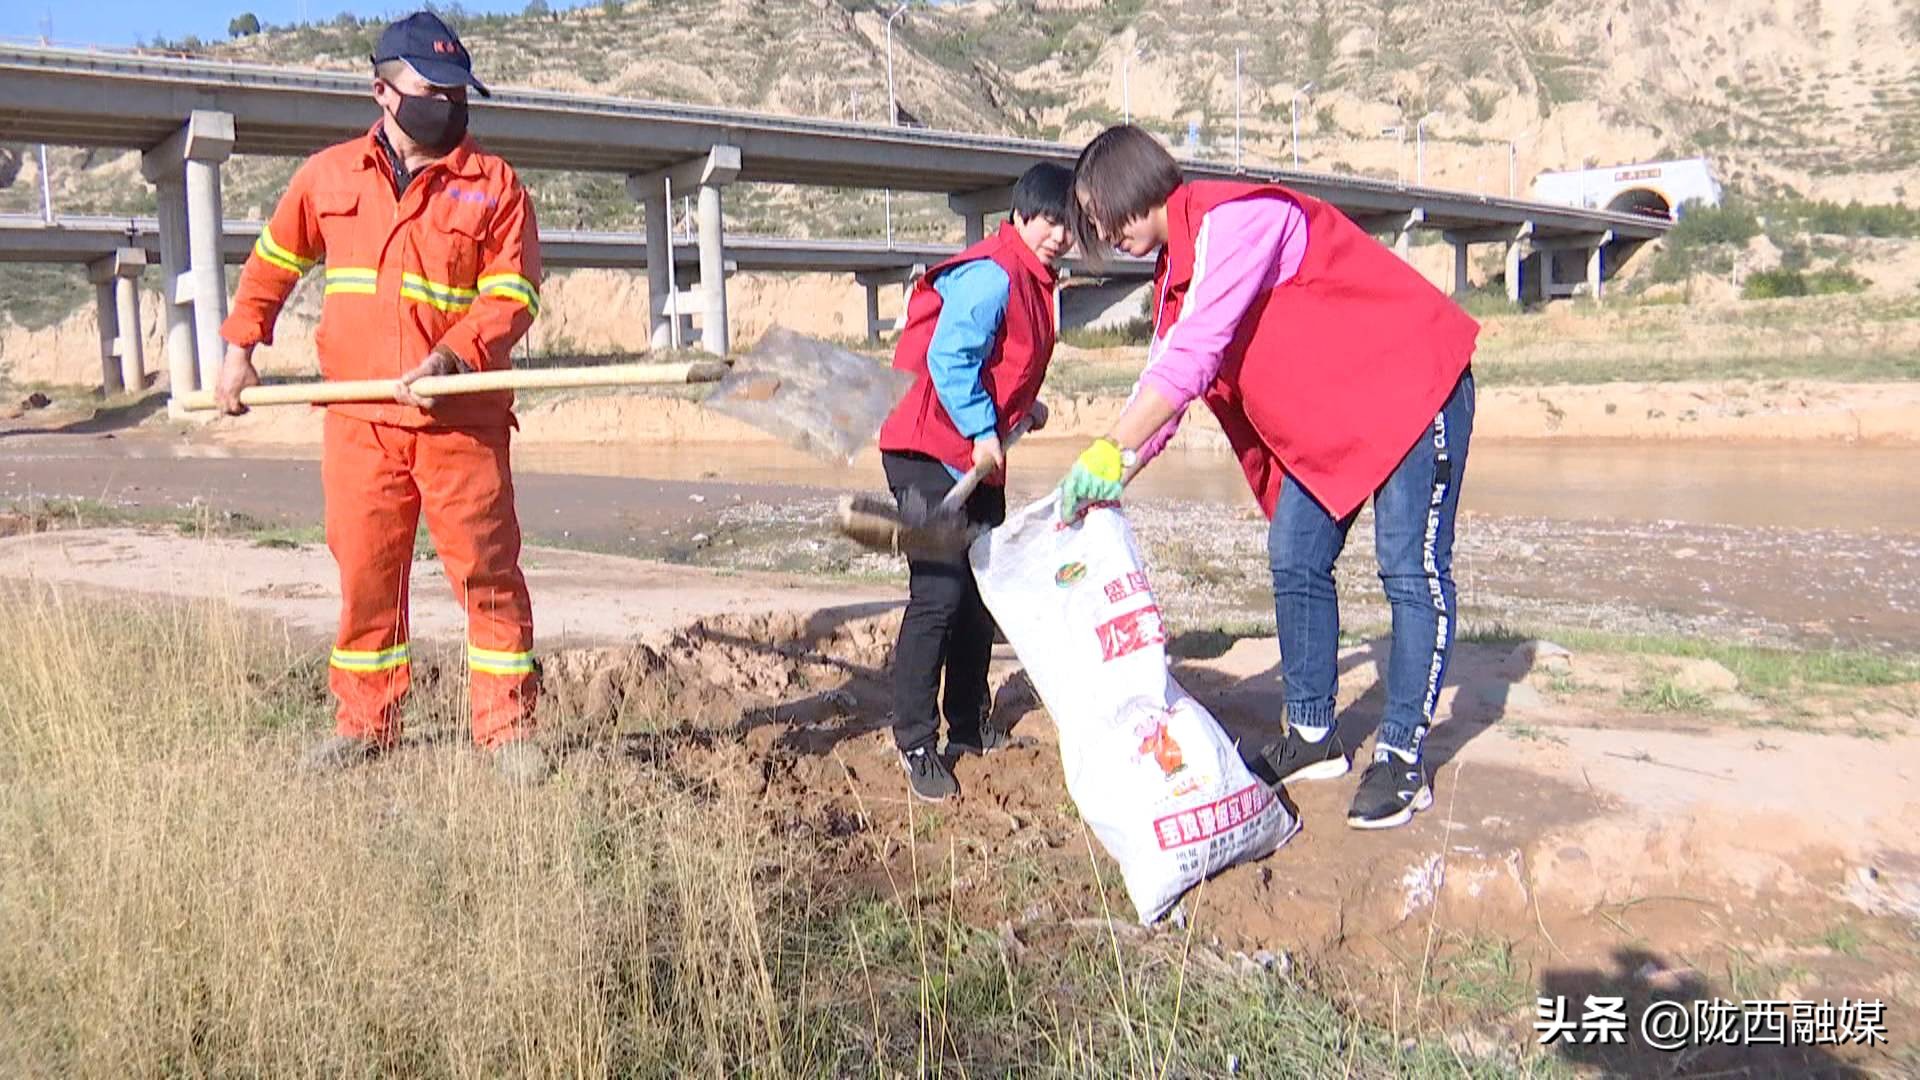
(1801, 486)
(1808, 542)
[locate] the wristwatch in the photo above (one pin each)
(1128, 458)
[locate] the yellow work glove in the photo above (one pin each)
(1095, 478)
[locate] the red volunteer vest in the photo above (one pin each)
(1334, 374)
(1013, 371)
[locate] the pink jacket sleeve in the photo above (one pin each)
(1244, 248)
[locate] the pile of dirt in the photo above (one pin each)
(746, 662)
(1526, 839)
(1571, 848)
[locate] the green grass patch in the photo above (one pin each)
(1757, 668)
(1529, 733)
(1136, 332)
(290, 537)
(1704, 240)
(51, 515)
(1842, 938)
(1485, 974)
(1664, 695)
(36, 297)
(1214, 641)
(1486, 303)
(1079, 379)
(54, 514)
(1883, 220)
(1784, 282)
(1652, 366)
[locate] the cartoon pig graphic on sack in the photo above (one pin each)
(1148, 723)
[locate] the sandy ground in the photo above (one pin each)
(1687, 783)
(582, 599)
(1612, 849)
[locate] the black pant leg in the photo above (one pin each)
(970, 644)
(936, 592)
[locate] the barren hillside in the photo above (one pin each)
(1815, 99)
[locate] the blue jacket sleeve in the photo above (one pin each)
(973, 307)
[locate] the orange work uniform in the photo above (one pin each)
(453, 261)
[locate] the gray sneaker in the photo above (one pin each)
(928, 776)
(521, 763)
(988, 740)
(338, 753)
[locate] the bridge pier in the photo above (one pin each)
(1591, 264)
(660, 282)
(873, 281)
(1519, 244)
(709, 174)
(1516, 253)
(1400, 225)
(123, 360)
(107, 318)
(1403, 239)
(185, 170)
(713, 271)
(974, 206)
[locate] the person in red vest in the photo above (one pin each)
(1338, 374)
(978, 339)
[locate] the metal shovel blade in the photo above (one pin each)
(815, 396)
(916, 530)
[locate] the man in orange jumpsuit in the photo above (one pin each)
(431, 267)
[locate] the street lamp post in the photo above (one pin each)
(1236, 108)
(893, 103)
(46, 179)
(1303, 89)
(1513, 159)
(893, 110)
(1420, 148)
(1399, 132)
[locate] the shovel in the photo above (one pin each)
(914, 530)
(815, 396)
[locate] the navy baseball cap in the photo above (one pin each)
(431, 48)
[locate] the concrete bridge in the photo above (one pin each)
(116, 249)
(189, 116)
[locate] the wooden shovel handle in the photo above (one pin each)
(475, 382)
(963, 487)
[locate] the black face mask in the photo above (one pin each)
(435, 123)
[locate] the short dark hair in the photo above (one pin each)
(1046, 190)
(1122, 174)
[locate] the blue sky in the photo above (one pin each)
(122, 22)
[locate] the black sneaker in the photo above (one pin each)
(929, 777)
(984, 742)
(1391, 790)
(1295, 758)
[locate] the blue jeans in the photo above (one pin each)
(1414, 513)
